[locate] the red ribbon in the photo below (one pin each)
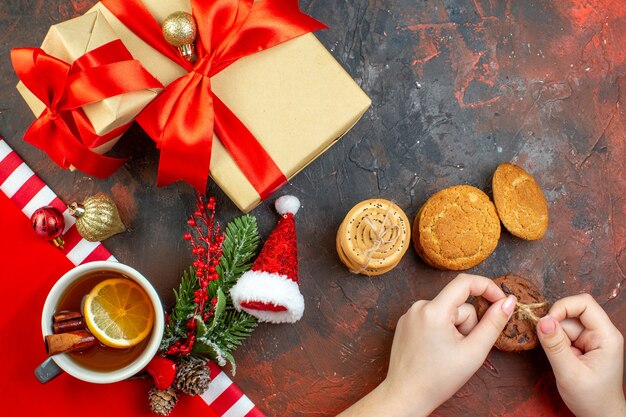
(184, 116)
(63, 130)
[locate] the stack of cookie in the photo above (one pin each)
(373, 237)
(459, 227)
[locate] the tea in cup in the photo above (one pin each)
(102, 322)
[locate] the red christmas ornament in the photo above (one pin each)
(48, 223)
(163, 372)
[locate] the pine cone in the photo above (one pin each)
(192, 376)
(162, 402)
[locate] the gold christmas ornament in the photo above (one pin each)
(97, 218)
(180, 30)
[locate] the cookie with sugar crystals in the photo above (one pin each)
(520, 203)
(456, 229)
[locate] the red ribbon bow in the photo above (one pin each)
(63, 129)
(184, 116)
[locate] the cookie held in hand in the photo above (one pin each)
(520, 332)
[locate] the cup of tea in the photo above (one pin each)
(102, 322)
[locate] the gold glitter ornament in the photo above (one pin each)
(97, 218)
(180, 30)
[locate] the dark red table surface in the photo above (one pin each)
(458, 87)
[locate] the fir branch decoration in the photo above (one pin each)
(203, 322)
(231, 328)
(175, 328)
(239, 247)
(234, 329)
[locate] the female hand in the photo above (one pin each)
(437, 347)
(586, 352)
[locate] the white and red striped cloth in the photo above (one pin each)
(29, 192)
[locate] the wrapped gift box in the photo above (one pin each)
(70, 40)
(295, 98)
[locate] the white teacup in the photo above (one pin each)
(75, 369)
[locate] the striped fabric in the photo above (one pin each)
(28, 192)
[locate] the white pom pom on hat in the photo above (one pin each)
(287, 204)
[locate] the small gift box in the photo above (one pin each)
(293, 98)
(83, 50)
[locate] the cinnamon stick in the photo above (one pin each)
(74, 341)
(69, 325)
(66, 315)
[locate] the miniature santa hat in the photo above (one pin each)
(269, 290)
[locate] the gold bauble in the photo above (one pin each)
(97, 218)
(180, 30)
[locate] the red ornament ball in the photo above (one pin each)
(48, 223)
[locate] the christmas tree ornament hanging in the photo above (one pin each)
(48, 223)
(97, 218)
(180, 30)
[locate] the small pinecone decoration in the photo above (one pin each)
(162, 402)
(192, 376)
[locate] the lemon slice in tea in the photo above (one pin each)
(119, 313)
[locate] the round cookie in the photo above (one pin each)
(416, 242)
(456, 229)
(360, 244)
(520, 202)
(520, 332)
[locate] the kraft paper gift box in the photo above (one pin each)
(70, 40)
(295, 98)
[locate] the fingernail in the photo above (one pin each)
(508, 305)
(547, 325)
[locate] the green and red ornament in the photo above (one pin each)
(203, 324)
(207, 247)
